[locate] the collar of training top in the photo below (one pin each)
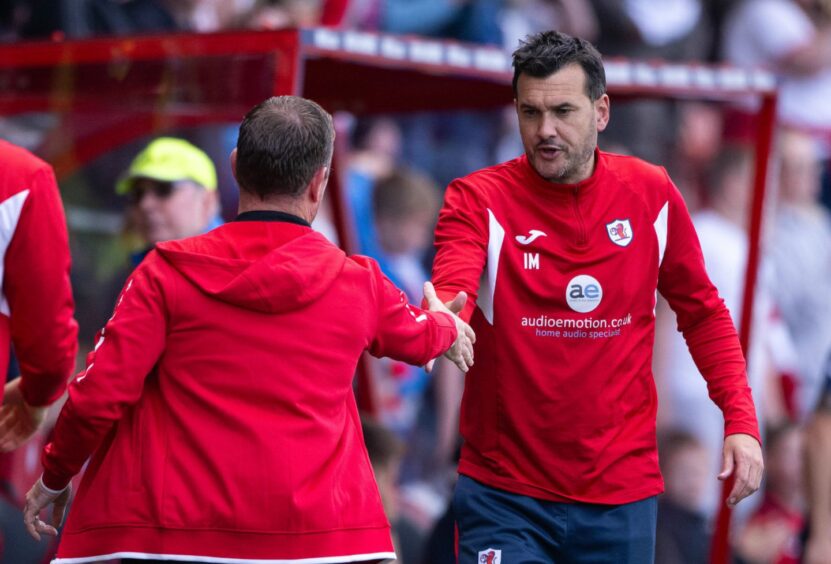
(271, 215)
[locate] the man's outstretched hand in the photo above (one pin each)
(18, 420)
(461, 351)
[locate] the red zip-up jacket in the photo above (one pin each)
(36, 302)
(218, 403)
(561, 402)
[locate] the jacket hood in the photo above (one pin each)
(276, 268)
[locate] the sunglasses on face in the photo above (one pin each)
(161, 190)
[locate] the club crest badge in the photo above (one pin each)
(490, 556)
(620, 232)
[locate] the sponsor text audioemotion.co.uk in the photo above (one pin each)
(588, 328)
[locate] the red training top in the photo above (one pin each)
(218, 403)
(36, 302)
(560, 403)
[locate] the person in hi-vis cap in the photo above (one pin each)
(172, 191)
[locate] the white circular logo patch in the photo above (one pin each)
(583, 293)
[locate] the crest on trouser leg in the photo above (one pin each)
(490, 556)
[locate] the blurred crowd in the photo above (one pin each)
(396, 166)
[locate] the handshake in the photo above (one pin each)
(461, 351)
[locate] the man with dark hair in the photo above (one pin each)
(559, 462)
(772, 532)
(682, 535)
(218, 404)
(283, 164)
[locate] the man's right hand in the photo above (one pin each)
(742, 457)
(461, 351)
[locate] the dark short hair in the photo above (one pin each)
(282, 142)
(544, 53)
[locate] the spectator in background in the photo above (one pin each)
(440, 545)
(363, 15)
(166, 188)
(800, 253)
(700, 140)
(209, 15)
(440, 142)
(818, 462)
(404, 211)
(520, 18)
(394, 210)
(10, 20)
(683, 534)
(771, 535)
(386, 453)
(171, 186)
(88, 18)
(792, 38)
(276, 14)
(405, 205)
(466, 20)
(374, 153)
(672, 30)
(36, 307)
(77, 19)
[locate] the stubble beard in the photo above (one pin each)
(573, 167)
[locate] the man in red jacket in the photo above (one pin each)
(560, 462)
(36, 319)
(36, 302)
(217, 404)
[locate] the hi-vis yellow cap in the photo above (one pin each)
(169, 159)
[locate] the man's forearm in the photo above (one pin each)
(715, 349)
